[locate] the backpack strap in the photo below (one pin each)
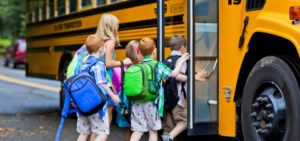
(153, 66)
(173, 59)
(94, 62)
(65, 111)
(110, 82)
(183, 90)
(122, 80)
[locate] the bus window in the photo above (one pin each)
(72, 6)
(29, 17)
(113, 1)
(85, 3)
(101, 2)
(44, 10)
(29, 6)
(51, 8)
(60, 7)
(36, 11)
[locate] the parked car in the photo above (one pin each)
(16, 55)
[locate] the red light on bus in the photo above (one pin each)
(295, 13)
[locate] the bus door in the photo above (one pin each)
(201, 29)
(203, 48)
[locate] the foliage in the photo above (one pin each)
(5, 42)
(12, 19)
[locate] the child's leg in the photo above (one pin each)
(168, 123)
(136, 136)
(82, 137)
(180, 118)
(128, 133)
(101, 137)
(110, 112)
(153, 135)
(92, 137)
(100, 126)
(83, 128)
(179, 128)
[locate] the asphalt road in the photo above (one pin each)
(29, 111)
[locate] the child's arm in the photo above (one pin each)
(181, 77)
(114, 97)
(109, 62)
(200, 76)
(180, 62)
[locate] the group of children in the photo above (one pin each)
(145, 116)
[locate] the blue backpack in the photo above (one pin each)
(82, 89)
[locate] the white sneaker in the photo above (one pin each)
(166, 137)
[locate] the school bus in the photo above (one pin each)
(250, 49)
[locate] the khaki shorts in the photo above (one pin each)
(144, 117)
(178, 114)
(93, 123)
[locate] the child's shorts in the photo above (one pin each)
(93, 123)
(178, 114)
(144, 117)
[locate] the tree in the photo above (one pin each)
(12, 19)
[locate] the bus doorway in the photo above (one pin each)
(203, 47)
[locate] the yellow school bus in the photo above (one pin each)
(250, 49)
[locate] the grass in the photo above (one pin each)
(4, 43)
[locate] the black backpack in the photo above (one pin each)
(170, 86)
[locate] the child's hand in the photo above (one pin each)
(184, 57)
(200, 76)
(127, 61)
(115, 99)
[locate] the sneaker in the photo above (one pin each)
(166, 137)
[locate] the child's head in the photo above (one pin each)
(133, 52)
(93, 44)
(108, 27)
(177, 42)
(147, 46)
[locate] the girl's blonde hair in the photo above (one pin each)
(108, 27)
(131, 51)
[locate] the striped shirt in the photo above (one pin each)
(98, 71)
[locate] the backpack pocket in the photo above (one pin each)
(135, 82)
(85, 93)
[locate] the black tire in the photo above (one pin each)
(271, 73)
(62, 77)
(61, 99)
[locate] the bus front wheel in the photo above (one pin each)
(270, 102)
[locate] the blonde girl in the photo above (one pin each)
(108, 31)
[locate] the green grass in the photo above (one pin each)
(4, 43)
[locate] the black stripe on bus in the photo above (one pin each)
(94, 11)
(67, 48)
(77, 46)
(38, 49)
(174, 20)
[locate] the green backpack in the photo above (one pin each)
(140, 82)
